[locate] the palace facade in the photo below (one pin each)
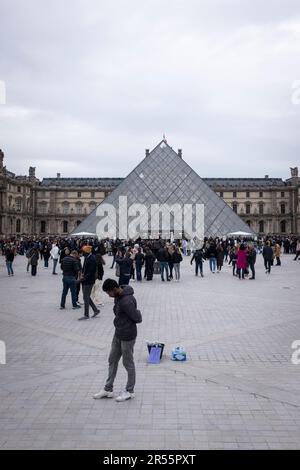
(56, 206)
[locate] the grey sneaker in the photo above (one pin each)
(125, 396)
(103, 394)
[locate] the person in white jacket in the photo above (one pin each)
(54, 256)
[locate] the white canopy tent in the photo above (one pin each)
(241, 234)
(83, 234)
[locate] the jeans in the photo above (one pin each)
(46, 262)
(69, 282)
(54, 265)
(86, 291)
(125, 349)
(251, 266)
(164, 266)
(113, 261)
(177, 271)
(138, 268)
(124, 279)
(212, 264)
(9, 267)
(199, 265)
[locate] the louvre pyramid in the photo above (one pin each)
(163, 177)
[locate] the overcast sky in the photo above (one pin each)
(90, 84)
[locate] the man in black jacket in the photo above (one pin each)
(198, 256)
(126, 317)
(70, 268)
(88, 278)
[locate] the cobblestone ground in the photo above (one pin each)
(238, 390)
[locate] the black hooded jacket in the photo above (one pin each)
(126, 315)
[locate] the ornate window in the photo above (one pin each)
(282, 208)
(43, 226)
(261, 209)
(234, 207)
(18, 225)
(283, 226)
(65, 226)
(261, 226)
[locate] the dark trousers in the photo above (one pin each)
(33, 269)
(164, 267)
(46, 262)
(171, 266)
(297, 255)
(199, 266)
(251, 266)
(268, 264)
(233, 268)
(54, 265)
(120, 349)
(86, 290)
(69, 282)
(278, 261)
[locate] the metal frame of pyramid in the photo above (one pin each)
(163, 179)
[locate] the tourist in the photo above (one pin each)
(198, 256)
(251, 258)
(124, 262)
(34, 260)
(268, 256)
(163, 258)
(297, 250)
(96, 291)
(233, 259)
(139, 262)
(177, 259)
(46, 255)
(9, 258)
(54, 256)
(241, 262)
(171, 251)
(126, 317)
(88, 277)
(70, 269)
(220, 257)
(211, 255)
(277, 253)
(149, 264)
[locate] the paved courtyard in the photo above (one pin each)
(238, 389)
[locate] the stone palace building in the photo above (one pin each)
(56, 206)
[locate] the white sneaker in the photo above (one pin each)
(103, 394)
(125, 396)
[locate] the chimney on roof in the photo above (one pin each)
(1, 158)
(32, 172)
(58, 175)
(147, 152)
(266, 177)
(180, 153)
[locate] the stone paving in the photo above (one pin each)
(238, 389)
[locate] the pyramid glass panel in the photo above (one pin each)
(163, 179)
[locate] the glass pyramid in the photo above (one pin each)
(139, 205)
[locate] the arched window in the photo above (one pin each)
(283, 226)
(282, 208)
(65, 226)
(248, 208)
(261, 226)
(261, 208)
(43, 226)
(18, 225)
(92, 205)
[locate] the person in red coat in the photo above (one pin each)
(241, 261)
